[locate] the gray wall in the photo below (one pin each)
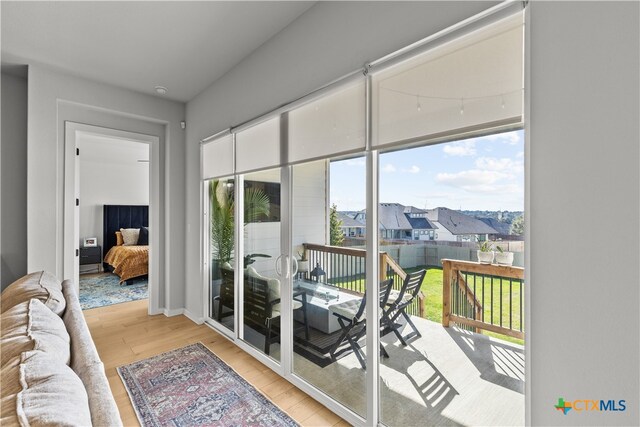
(582, 166)
(55, 98)
(13, 247)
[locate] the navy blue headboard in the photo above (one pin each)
(116, 217)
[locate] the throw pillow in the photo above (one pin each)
(144, 236)
(39, 390)
(119, 239)
(130, 236)
(41, 285)
(32, 326)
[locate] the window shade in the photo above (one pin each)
(217, 157)
(469, 82)
(258, 147)
(331, 125)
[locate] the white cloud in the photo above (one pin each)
(412, 169)
(388, 168)
(478, 181)
(462, 148)
(355, 162)
(520, 155)
(501, 165)
(511, 138)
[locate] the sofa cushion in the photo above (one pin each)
(41, 285)
(39, 390)
(32, 326)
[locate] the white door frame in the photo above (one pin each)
(71, 216)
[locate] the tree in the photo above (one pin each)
(335, 233)
(517, 226)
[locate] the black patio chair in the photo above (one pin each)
(397, 304)
(352, 320)
(262, 310)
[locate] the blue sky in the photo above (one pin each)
(473, 174)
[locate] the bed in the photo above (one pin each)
(128, 262)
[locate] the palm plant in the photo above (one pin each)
(222, 208)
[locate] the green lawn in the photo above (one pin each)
(432, 290)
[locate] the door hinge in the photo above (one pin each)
(77, 202)
(77, 252)
(77, 151)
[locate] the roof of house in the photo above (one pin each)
(394, 216)
(499, 226)
(348, 221)
(458, 223)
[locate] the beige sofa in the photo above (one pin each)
(51, 372)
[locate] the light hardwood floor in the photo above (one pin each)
(124, 333)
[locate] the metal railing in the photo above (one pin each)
(346, 268)
(483, 296)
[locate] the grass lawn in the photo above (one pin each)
(432, 290)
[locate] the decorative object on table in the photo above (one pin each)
(192, 386)
(90, 242)
(503, 257)
(105, 289)
(485, 252)
(317, 273)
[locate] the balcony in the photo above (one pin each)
(451, 375)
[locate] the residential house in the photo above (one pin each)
(399, 222)
(454, 226)
(350, 226)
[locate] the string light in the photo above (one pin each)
(461, 106)
(418, 106)
(502, 105)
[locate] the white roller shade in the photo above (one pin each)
(258, 147)
(217, 157)
(468, 83)
(331, 125)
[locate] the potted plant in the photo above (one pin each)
(303, 262)
(503, 257)
(485, 252)
(222, 211)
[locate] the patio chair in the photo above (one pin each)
(262, 305)
(352, 320)
(399, 301)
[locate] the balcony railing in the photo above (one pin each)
(346, 268)
(483, 296)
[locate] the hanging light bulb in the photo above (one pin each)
(461, 106)
(334, 126)
(418, 106)
(502, 96)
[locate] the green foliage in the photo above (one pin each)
(485, 246)
(222, 209)
(335, 233)
(517, 226)
(499, 249)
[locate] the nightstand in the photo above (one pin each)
(91, 255)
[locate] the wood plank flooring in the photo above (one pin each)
(124, 333)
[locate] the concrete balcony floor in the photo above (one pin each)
(446, 377)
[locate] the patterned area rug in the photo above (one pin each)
(191, 386)
(104, 289)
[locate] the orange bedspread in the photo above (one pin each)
(128, 261)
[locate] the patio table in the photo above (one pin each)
(320, 297)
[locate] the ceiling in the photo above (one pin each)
(183, 46)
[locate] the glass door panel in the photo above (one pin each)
(328, 240)
(221, 196)
(262, 263)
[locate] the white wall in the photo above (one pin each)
(583, 161)
(582, 158)
(110, 174)
(13, 244)
(55, 98)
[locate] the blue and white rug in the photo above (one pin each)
(104, 289)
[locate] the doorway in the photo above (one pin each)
(111, 184)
